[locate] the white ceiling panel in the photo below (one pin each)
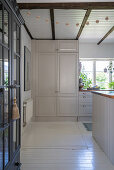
(38, 23)
(95, 31)
(67, 23)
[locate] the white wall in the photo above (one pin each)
(92, 50)
(25, 41)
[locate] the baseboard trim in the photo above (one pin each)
(52, 119)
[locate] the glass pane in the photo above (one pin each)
(14, 37)
(1, 29)
(14, 136)
(6, 26)
(102, 74)
(6, 145)
(86, 73)
(16, 70)
(6, 105)
(1, 76)
(1, 150)
(6, 66)
(1, 106)
(18, 40)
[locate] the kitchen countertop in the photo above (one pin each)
(109, 94)
(85, 90)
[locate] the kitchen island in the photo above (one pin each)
(103, 121)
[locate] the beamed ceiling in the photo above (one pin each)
(88, 25)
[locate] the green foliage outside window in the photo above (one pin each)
(87, 81)
(111, 85)
(101, 78)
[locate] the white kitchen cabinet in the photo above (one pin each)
(68, 73)
(56, 83)
(67, 106)
(46, 106)
(68, 46)
(47, 74)
(103, 124)
(85, 104)
(47, 46)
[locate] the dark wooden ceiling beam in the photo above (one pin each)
(52, 23)
(81, 5)
(106, 35)
(83, 23)
(28, 31)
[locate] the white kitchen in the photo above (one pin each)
(66, 85)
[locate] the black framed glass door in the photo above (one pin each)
(9, 88)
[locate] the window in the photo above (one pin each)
(97, 72)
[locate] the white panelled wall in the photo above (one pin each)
(55, 78)
(25, 95)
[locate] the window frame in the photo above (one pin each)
(94, 67)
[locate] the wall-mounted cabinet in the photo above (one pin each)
(56, 79)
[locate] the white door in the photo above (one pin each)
(67, 106)
(47, 74)
(67, 73)
(46, 100)
(46, 106)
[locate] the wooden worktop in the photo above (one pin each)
(85, 90)
(106, 93)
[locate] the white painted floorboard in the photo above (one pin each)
(61, 146)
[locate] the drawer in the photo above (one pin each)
(85, 97)
(85, 109)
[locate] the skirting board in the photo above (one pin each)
(51, 119)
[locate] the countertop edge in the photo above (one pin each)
(102, 94)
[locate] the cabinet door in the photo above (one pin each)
(68, 46)
(67, 106)
(47, 75)
(67, 73)
(47, 46)
(46, 106)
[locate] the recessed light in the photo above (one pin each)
(67, 24)
(47, 20)
(107, 18)
(57, 22)
(28, 13)
(77, 24)
(97, 21)
(87, 23)
(37, 17)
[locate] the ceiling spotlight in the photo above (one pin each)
(37, 17)
(107, 18)
(87, 23)
(97, 21)
(57, 22)
(67, 24)
(77, 24)
(28, 13)
(47, 20)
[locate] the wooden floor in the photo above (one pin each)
(61, 146)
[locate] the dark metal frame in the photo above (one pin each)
(14, 16)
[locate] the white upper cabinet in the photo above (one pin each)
(67, 73)
(47, 74)
(47, 46)
(67, 46)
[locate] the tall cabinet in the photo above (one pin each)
(9, 80)
(56, 78)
